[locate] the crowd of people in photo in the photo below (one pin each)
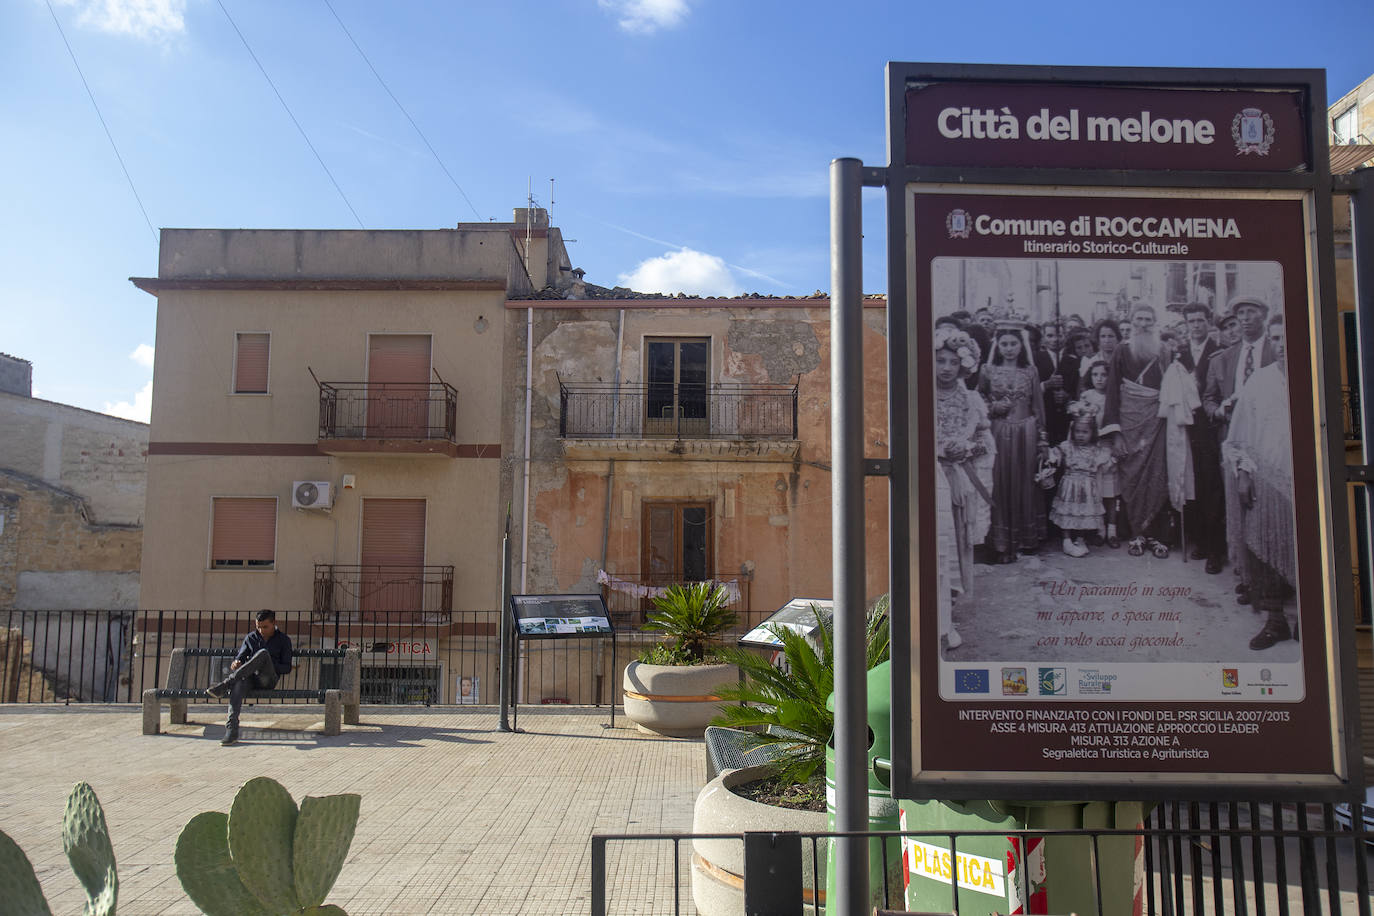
(1126, 436)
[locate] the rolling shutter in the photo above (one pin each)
(398, 385)
(250, 363)
(393, 555)
(243, 532)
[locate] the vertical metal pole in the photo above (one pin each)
(1362, 376)
(847, 534)
(504, 664)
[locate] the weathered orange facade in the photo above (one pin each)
(760, 490)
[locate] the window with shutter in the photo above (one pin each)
(398, 386)
(243, 533)
(250, 363)
(393, 556)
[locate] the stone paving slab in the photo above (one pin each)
(457, 817)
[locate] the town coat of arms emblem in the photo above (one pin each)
(1253, 131)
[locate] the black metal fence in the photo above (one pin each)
(654, 411)
(1189, 858)
(391, 410)
(408, 657)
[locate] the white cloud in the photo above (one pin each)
(141, 409)
(148, 19)
(684, 271)
(644, 17)
(143, 355)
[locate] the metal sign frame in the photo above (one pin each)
(909, 341)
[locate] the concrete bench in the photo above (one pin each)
(337, 686)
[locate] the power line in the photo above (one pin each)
(403, 109)
(306, 137)
(108, 135)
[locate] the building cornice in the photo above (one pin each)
(155, 285)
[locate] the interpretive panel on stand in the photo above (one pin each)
(552, 616)
(1121, 510)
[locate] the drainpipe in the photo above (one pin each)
(599, 654)
(529, 399)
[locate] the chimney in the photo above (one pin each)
(16, 375)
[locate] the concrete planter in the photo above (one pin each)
(675, 700)
(718, 865)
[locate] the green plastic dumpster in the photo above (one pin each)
(1012, 875)
(882, 807)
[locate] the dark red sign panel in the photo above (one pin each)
(1021, 125)
(1059, 648)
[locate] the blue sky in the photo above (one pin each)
(689, 139)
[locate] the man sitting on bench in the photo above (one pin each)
(264, 656)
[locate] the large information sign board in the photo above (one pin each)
(1201, 654)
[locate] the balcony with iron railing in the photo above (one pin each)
(390, 595)
(719, 420)
(629, 596)
(388, 418)
(1350, 413)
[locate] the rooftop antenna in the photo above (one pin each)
(529, 221)
(550, 201)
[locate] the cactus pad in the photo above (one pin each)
(328, 909)
(19, 887)
(324, 831)
(206, 872)
(87, 844)
(262, 825)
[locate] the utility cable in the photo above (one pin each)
(403, 109)
(306, 137)
(108, 135)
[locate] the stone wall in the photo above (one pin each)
(53, 555)
(101, 459)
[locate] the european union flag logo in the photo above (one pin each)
(970, 680)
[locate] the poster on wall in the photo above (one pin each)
(1122, 568)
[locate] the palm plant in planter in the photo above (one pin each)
(672, 689)
(784, 705)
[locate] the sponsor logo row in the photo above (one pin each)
(1054, 682)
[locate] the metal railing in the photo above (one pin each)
(400, 594)
(1350, 413)
(101, 656)
(1189, 858)
(589, 410)
(390, 410)
(629, 596)
(51, 656)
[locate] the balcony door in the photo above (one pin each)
(677, 542)
(677, 374)
(393, 559)
(398, 386)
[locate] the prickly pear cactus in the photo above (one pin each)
(262, 825)
(19, 887)
(206, 871)
(87, 844)
(266, 858)
(324, 831)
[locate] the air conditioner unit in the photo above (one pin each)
(310, 494)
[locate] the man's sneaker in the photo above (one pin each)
(217, 691)
(231, 736)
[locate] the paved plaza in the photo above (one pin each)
(457, 817)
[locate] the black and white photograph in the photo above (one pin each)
(1115, 478)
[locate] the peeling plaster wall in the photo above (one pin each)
(771, 517)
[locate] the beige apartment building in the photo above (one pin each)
(331, 438)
